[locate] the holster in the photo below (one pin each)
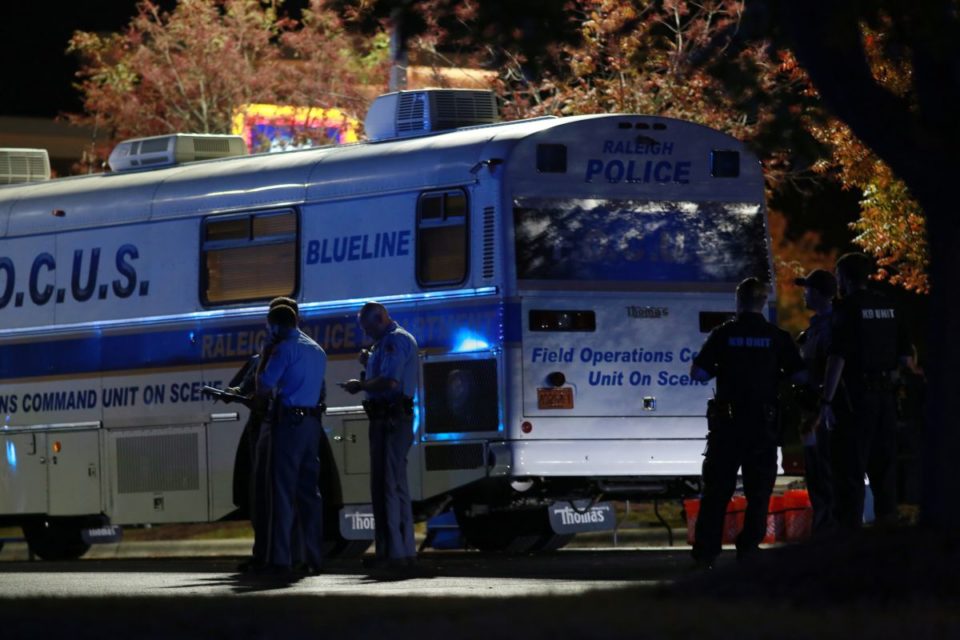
(719, 415)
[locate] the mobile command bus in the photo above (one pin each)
(559, 275)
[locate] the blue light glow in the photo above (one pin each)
(352, 304)
(416, 414)
(11, 454)
(466, 341)
(449, 436)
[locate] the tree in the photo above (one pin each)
(192, 68)
(682, 60)
(917, 136)
(891, 225)
(795, 257)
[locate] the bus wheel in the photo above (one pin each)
(504, 531)
(55, 540)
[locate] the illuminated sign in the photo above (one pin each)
(274, 127)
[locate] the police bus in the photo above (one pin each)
(559, 275)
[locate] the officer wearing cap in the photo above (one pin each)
(748, 356)
(291, 377)
(869, 341)
(245, 478)
(819, 290)
(390, 384)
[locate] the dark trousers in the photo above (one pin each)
(288, 471)
(390, 441)
(864, 441)
(819, 480)
(725, 454)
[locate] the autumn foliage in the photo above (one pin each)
(191, 68)
(891, 225)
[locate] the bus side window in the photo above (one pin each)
(248, 257)
(442, 237)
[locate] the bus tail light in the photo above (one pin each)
(526, 427)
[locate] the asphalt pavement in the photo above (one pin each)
(190, 589)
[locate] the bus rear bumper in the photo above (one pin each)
(596, 458)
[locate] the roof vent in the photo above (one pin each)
(415, 113)
(177, 148)
(24, 165)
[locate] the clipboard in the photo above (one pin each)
(226, 396)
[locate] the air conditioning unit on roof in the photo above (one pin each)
(24, 165)
(414, 113)
(176, 148)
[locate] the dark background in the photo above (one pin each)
(38, 75)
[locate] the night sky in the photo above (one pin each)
(38, 75)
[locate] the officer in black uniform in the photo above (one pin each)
(291, 376)
(820, 288)
(390, 384)
(748, 356)
(246, 483)
(858, 403)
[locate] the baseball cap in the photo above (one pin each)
(820, 280)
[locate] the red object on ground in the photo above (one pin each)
(798, 515)
(692, 508)
(775, 521)
(733, 522)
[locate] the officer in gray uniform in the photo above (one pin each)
(291, 376)
(245, 480)
(390, 384)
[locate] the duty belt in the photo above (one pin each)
(296, 414)
(380, 409)
(303, 412)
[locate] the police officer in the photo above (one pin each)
(748, 356)
(291, 377)
(819, 290)
(390, 383)
(245, 479)
(869, 341)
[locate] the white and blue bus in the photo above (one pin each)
(558, 273)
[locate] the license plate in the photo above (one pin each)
(555, 398)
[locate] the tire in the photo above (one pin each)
(55, 540)
(512, 532)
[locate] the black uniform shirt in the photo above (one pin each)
(749, 356)
(815, 346)
(868, 334)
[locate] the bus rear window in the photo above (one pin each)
(643, 241)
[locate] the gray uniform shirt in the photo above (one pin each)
(394, 356)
